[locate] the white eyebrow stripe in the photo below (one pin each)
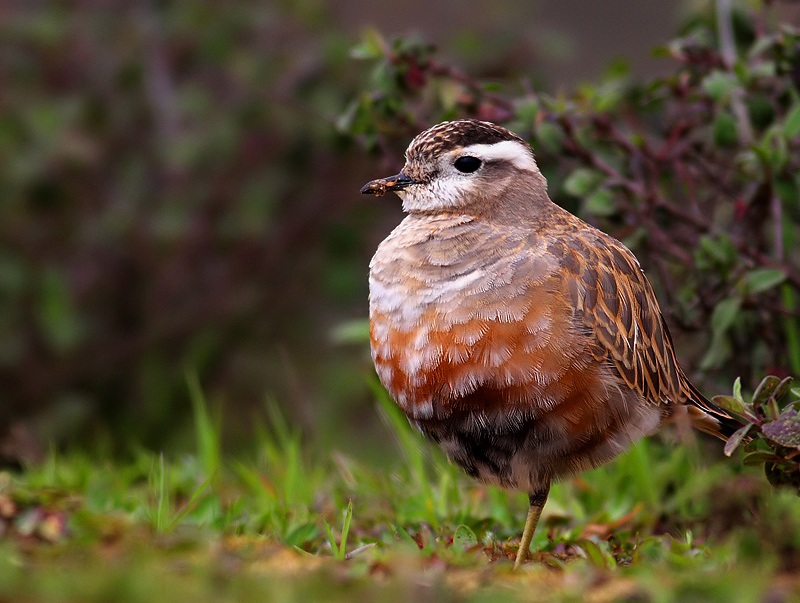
(508, 150)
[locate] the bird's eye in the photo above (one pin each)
(467, 164)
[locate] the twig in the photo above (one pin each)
(728, 52)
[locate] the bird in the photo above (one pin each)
(525, 342)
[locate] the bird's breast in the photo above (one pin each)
(452, 318)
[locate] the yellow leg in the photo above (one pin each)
(537, 500)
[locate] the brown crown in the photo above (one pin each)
(449, 135)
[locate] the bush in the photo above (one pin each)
(698, 172)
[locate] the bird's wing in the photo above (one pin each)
(617, 304)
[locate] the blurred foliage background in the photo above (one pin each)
(179, 191)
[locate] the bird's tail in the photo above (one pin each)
(707, 416)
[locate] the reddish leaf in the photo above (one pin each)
(736, 439)
(785, 430)
(765, 389)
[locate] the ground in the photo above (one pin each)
(671, 520)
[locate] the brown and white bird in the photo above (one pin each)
(525, 342)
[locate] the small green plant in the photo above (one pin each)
(166, 513)
(207, 434)
(771, 430)
(340, 550)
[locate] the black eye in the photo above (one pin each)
(467, 164)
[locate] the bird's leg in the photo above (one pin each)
(537, 500)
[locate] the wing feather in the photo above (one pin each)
(619, 307)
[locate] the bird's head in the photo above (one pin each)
(464, 166)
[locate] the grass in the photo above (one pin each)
(662, 523)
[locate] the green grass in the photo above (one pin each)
(667, 521)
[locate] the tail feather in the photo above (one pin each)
(707, 416)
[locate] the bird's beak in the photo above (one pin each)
(379, 187)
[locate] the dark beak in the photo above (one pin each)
(379, 187)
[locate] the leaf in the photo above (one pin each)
(765, 390)
(726, 133)
(464, 537)
(351, 331)
(737, 389)
(724, 314)
(597, 556)
(549, 136)
(772, 150)
(761, 110)
(57, 314)
(783, 387)
(372, 45)
(582, 181)
(785, 430)
(791, 127)
(783, 474)
(340, 550)
(736, 406)
(762, 279)
(601, 203)
(771, 409)
(718, 352)
(736, 439)
(719, 84)
(759, 457)
(720, 249)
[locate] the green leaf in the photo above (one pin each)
(56, 312)
(760, 110)
(206, 432)
(719, 84)
(596, 555)
(726, 133)
(719, 249)
(761, 45)
(601, 203)
(464, 538)
(718, 352)
(735, 406)
(785, 430)
(759, 457)
(724, 314)
(736, 439)
(525, 113)
(783, 387)
(772, 149)
(782, 473)
(549, 136)
(762, 279)
(791, 328)
(372, 45)
(771, 409)
(303, 533)
(340, 550)
(582, 181)
(791, 127)
(351, 331)
(737, 389)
